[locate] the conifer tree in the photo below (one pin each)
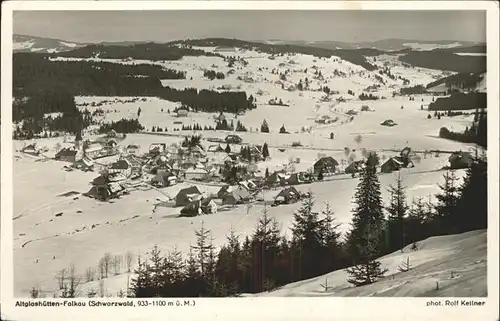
(364, 241)
(446, 206)
(192, 274)
(367, 269)
(472, 205)
(308, 233)
(265, 243)
(264, 128)
(173, 272)
(416, 220)
(397, 210)
(203, 248)
(142, 284)
(335, 256)
(265, 151)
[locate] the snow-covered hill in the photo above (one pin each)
(384, 45)
(23, 43)
(443, 266)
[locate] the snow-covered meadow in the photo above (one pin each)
(85, 229)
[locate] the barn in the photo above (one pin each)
(187, 196)
(326, 165)
(164, 179)
(391, 165)
(287, 196)
(68, 155)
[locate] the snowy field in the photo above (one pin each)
(85, 229)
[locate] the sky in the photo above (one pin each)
(162, 26)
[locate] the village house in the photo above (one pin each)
(93, 151)
(326, 165)
(233, 139)
(68, 155)
(155, 169)
(391, 165)
(202, 206)
(158, 160)
(276, 178)
(157, 148)
(187, 196)
(215, 148)
(354, 167)
(196, 152)
(459, 160)
(111, 134)
(164, 179)
(31, 149)
(135, 163)
(249, 185)
(121, 166)
(182, 113)
(224, 190)
(231, 158)
(288, 195)
(196, 173)
(132, 149)
(111, 143)
(298, 178)
(104, 189)
(235, 196)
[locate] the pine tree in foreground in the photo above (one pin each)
(365, 238)
(446, 206)
(203, 249)
(397, 210)
(368, 210)
(472, 205)
(367, 269)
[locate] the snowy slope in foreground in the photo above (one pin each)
(434, 261)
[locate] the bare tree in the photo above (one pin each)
(107, 260)
(73, 282)
(89, 274)
(128, 260)
(117, 262)
(61, 278)
(101, 268)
